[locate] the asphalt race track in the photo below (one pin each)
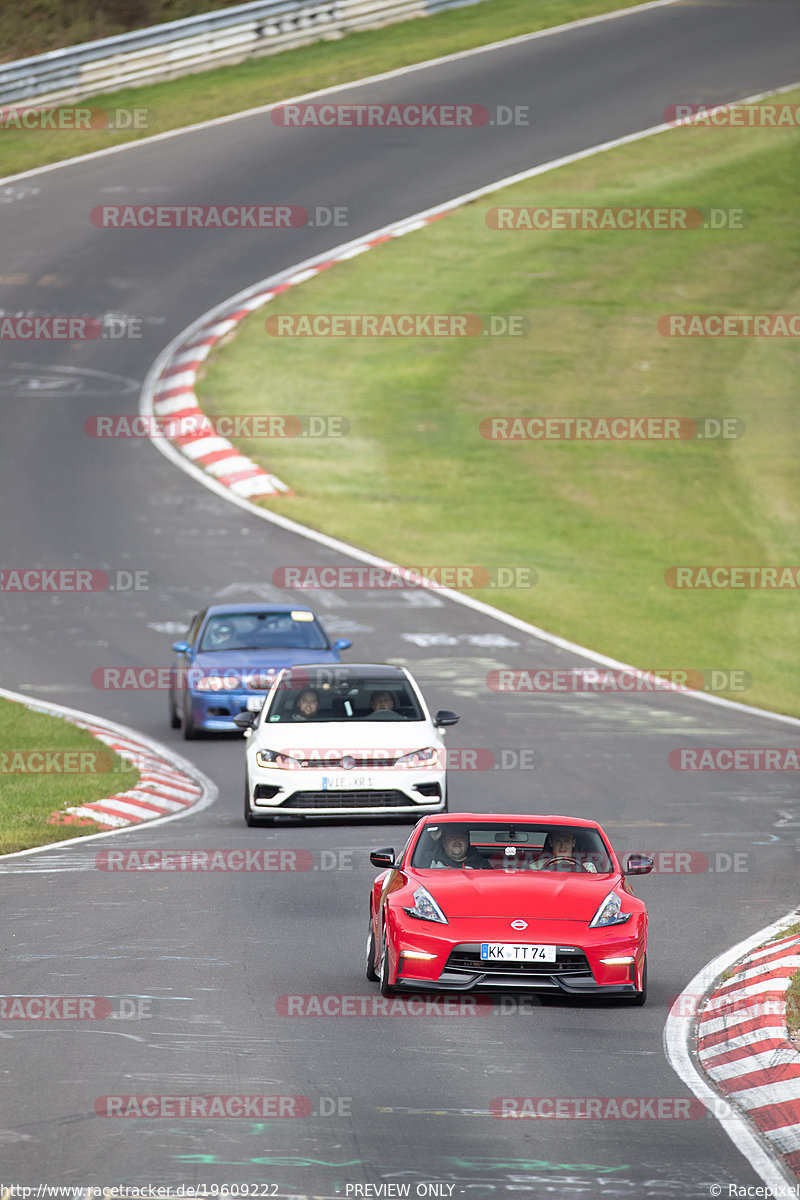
(211, 953)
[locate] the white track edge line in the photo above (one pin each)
(209, 795)
(395, 73)
(340, 547)
(677, 1032)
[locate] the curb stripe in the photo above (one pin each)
(744, 1047)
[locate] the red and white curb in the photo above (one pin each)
(175, 407)
(168, 787)
(743, 1044)
(161, 789)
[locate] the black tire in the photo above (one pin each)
(640, 998)
(249, 819)
(190, 733)
(385, 988)
(174, 719)
(372, 974)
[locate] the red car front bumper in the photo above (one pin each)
(581, 964)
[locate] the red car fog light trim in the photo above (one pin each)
(418, 954)
(622, 960)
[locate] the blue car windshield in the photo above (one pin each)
(262, 631)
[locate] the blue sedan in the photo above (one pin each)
(230, 655)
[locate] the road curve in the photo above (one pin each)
(207, 956)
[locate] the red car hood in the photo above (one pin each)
(556, 895)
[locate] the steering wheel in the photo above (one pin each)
(558, 858)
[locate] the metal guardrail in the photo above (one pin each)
(194, 44)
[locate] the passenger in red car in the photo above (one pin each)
(455, 851)
(559, 849)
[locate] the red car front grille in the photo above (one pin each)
(468, 958)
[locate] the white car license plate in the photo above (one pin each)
(339, 783)
(504, 952)
(255, 703)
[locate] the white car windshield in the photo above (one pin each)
(301, 696)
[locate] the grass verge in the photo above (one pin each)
(261, 81)
(601, 522)
(32, 740)
(793, 1006)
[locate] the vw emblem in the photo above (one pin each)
(348, 763)
(519, 924)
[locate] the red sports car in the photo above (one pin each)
(479, 902)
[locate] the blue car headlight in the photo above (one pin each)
(425, 907)
(216, 681)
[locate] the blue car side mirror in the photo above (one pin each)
(180, 647)
(342, 644)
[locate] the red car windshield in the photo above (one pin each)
(523, 846)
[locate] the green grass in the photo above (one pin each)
(793, 1004)
(27, 799)
(790, 931)
(793, 991)
(600, 522)
(261, 81)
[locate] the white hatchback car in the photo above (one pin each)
(354, 740)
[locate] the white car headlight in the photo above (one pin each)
(425, 907)
(274, 758)
(609, 912)
(429, 757)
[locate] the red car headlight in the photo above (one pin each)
(425, 907)
(609, 913)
